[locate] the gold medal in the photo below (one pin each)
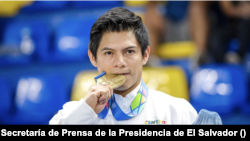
(113, 80)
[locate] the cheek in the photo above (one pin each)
(103, 65)
(136, 64)
(105, 59)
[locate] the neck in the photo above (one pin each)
(123, 93)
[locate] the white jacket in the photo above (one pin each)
(160, 108)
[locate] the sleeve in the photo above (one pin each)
(75, 112)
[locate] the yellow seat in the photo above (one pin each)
(11, 8)
(176, 50)
(170, 80)
(135, 3)
(141, 14)
(82, 82)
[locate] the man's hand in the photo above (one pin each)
(98, 96)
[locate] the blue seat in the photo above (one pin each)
(218, 87)
(233, 45)
(24, 41)
(38, 98)
(72, 39)
(246, 108)
(96, 4)
(43, 6)
(5, 98)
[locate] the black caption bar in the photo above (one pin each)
(125, 130)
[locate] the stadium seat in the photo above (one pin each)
(24, 41)
(38, 98)
(130, 3)
(11, 8)
(96, 4)
(185, 64)
(178, 54)
(82, 82)
(5, 98)
(176, 50)
(135, 3)
(233, 45)
(43, 6)
(246, 108)
(72, 39)
(170, 80)
(218, 87)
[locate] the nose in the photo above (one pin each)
(119, 61)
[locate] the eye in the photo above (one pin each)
(130, 51)
(108, 53)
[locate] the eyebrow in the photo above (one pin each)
(107, 48)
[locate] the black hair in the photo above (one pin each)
(116, 20)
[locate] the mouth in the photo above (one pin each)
(120, 73)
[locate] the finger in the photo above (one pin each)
(111, 91)
(102, 102)
(104, 94)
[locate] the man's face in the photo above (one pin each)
(120, 53)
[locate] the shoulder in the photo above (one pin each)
(178, 107)
(166, 98)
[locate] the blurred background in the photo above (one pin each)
(199, 52)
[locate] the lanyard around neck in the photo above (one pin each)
(136, 106)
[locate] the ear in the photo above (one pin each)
(92, 58)
(146, 56)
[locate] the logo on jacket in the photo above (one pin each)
(155, 122)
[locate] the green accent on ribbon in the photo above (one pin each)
(136, 101)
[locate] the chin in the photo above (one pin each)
(122, 88)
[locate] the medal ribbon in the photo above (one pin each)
(136, 106)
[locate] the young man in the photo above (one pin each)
(119, 44)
